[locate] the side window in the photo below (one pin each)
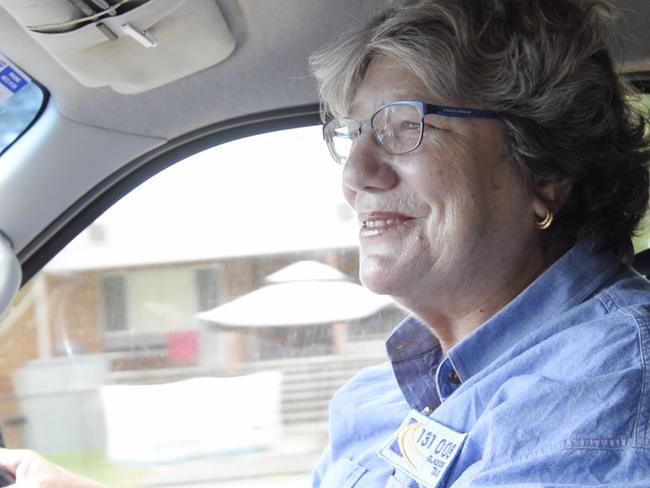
(20, 102)
(195, 332)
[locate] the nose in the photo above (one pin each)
(368, 167)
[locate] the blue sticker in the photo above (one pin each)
(12, 80)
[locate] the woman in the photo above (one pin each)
(497, 172)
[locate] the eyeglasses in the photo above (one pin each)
(397, 127)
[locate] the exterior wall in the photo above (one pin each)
(162, 299)
(74, 313)
(18, 344)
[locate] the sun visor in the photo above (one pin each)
(130, 45)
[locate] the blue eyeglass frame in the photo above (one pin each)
(424, 109)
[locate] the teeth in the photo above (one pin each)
(373, 224)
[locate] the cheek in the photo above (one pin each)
(457, 202)
(440, 185)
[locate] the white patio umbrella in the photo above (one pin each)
(304, 301)
(307, 271)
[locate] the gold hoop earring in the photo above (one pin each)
(546, 222)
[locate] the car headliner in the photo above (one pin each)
(87, 136)
(268, 70)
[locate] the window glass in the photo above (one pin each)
(18, 110)
(194, 333)
(641, 240)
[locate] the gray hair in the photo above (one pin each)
(545, 65)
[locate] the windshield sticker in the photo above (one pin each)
(12, 79)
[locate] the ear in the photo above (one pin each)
(551, 194)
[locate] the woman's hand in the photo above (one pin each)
(34, 471)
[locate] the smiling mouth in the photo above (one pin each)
(374, 226)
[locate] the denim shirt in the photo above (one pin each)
(553, 390)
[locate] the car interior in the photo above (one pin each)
(179, 295)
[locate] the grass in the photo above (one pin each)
(95, 465)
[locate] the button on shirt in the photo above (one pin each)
(553, 390)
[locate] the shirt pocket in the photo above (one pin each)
(343, 474)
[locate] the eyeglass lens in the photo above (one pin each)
(397, 127)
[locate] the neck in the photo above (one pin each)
(456, 313)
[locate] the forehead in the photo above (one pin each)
(387, 80)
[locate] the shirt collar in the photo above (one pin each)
(568, 282)
(416, 354)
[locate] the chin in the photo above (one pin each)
(375, 285)
(379, 279)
